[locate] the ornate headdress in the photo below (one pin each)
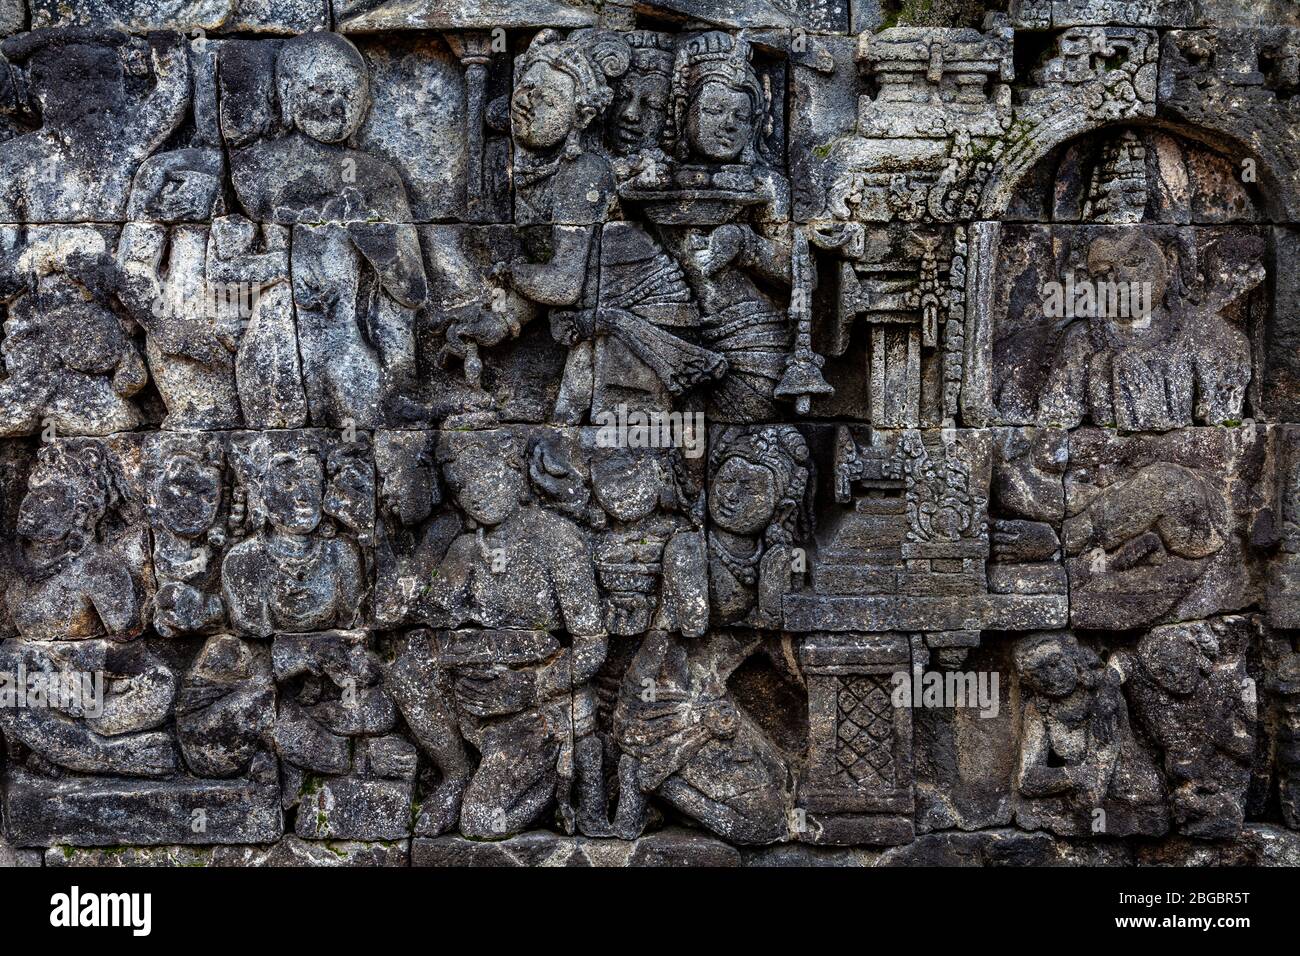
(782, 450)
(591, 58)
(712, 57)
(652, 52)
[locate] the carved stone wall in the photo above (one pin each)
(649, 431)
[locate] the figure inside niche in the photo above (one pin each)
(738, 275)
(358, 274)
(225, 707)
(83, 567)
(524, 699)
(1077, 751)
(124, 734)
(185, 491)
(70, 359)
(192, 328)
(77, 167)
(683, 739)
(760, 480)
(563, 180)
(295, 573)
(1182, 363)
(1190, 697)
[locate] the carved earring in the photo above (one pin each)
(573, 144)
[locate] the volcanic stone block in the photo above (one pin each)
(105, 811)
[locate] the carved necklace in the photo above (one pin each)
(742, 567)
(529, 175)
(295, 565)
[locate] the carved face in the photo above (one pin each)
(1173, 660)
(50, 511)
(640, 111)
(1129, 261)
(720, 123)
(626, 485)
(350, 495)
(743, 497)
(543, 108)
(327, 94)
(407, 491)
(188, 494)
(1050, 670)
(484, 485)
(293, 492)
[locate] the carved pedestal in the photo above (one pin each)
(858, 787)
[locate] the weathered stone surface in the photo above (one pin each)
(12, 857)
(288, 852)
(13, 16)
(85, 130)
(1260, 844)
(104, 811)
(1226, 81)
(671, 432)
(270, 16)
(1005, 847)
(673, 847)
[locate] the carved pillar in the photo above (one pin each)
(858, 785)
(474, 50)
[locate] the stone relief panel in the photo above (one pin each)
(671, 432)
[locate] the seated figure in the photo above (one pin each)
(293, 575)
(83, 570)
(1080, 768)
(1183, 363)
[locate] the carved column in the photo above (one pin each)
(474, 50)
(858, 785)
